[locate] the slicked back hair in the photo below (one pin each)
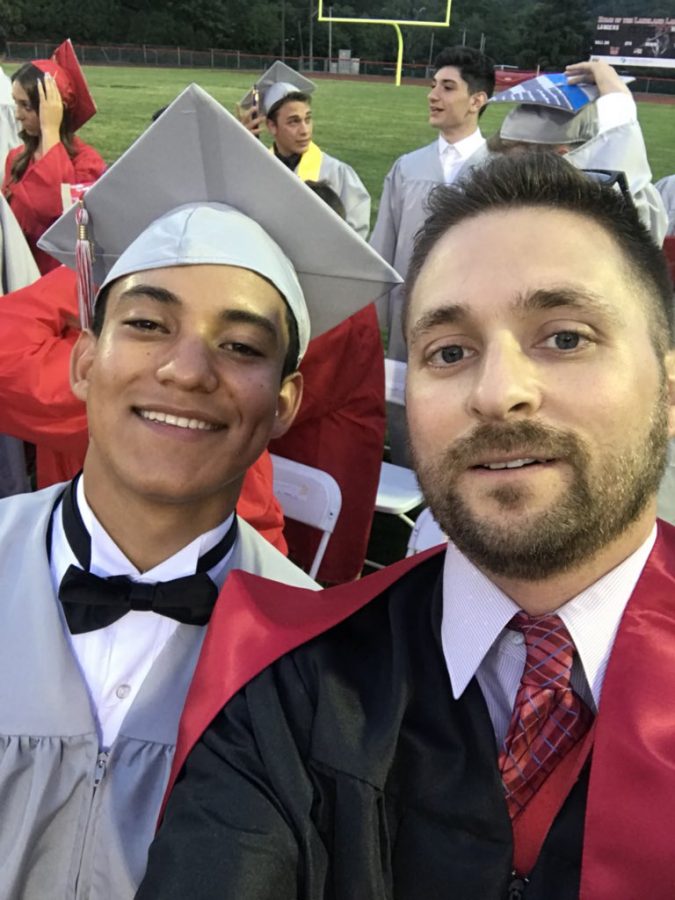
(295, 97)
(477, 69)
(546, 181)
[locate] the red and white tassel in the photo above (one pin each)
(84, 267)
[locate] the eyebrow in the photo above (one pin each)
(543, 299)
(236, 316)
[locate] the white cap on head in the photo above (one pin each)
(276, 83)
(214, 234)
(198, 188)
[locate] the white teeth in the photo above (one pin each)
(177, 421)
(512, 464)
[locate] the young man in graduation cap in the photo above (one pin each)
(587, 114)
(188, 368)
(462, 84)
(497, 721)
(283, 97)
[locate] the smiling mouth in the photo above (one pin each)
(191, 424)
(511, 464)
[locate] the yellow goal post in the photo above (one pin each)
(396, 25)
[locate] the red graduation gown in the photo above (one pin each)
(627, 846)
(36, 198)
(38, 329)
(340, 429)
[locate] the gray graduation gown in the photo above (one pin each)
(400, 216)
(76, 822)
(350, 189)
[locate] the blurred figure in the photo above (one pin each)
(666, 187)
(52, 102)
(9, 133)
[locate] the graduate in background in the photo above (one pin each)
(188, 368)
(282, 98)
(52, 102)
(462, 84)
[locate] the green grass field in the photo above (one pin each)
(366, 124)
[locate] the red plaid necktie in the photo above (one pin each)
(548, 717)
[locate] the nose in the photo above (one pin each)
(432, 94)
(189, 365)
(507, 383)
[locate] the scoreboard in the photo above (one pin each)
(635, 41)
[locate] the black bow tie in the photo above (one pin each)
(91, 602)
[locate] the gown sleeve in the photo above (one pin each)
(36, 197)
(37, 335)
(239, 816)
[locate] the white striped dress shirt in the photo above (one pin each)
(476, 641)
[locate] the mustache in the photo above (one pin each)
(532, 438)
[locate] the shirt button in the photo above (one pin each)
(123, 691)
(518, 637)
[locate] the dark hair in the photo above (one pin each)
(547, 180)
(292, 351)
(477, 69)
(329, 196)
(28, 76)
(294, 97)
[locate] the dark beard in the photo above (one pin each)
(588, 517)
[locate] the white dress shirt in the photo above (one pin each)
(116, 660)
(476, 641)
(453, 156)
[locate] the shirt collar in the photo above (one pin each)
(107, 559)
(461, 149)
(475, 612)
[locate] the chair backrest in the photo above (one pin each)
(310, 496)
(394, 381)
(426, 533)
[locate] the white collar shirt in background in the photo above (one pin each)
(477, 642)
(453, 156)
(115, 660)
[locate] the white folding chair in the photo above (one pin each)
(426, 533)
(398, 491)
(310, 496)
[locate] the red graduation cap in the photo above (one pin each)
(66, 71)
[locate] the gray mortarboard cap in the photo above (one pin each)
(198, 188)
(276, 83)
(550, 111)
(540, 125)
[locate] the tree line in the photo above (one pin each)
(525, 33)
